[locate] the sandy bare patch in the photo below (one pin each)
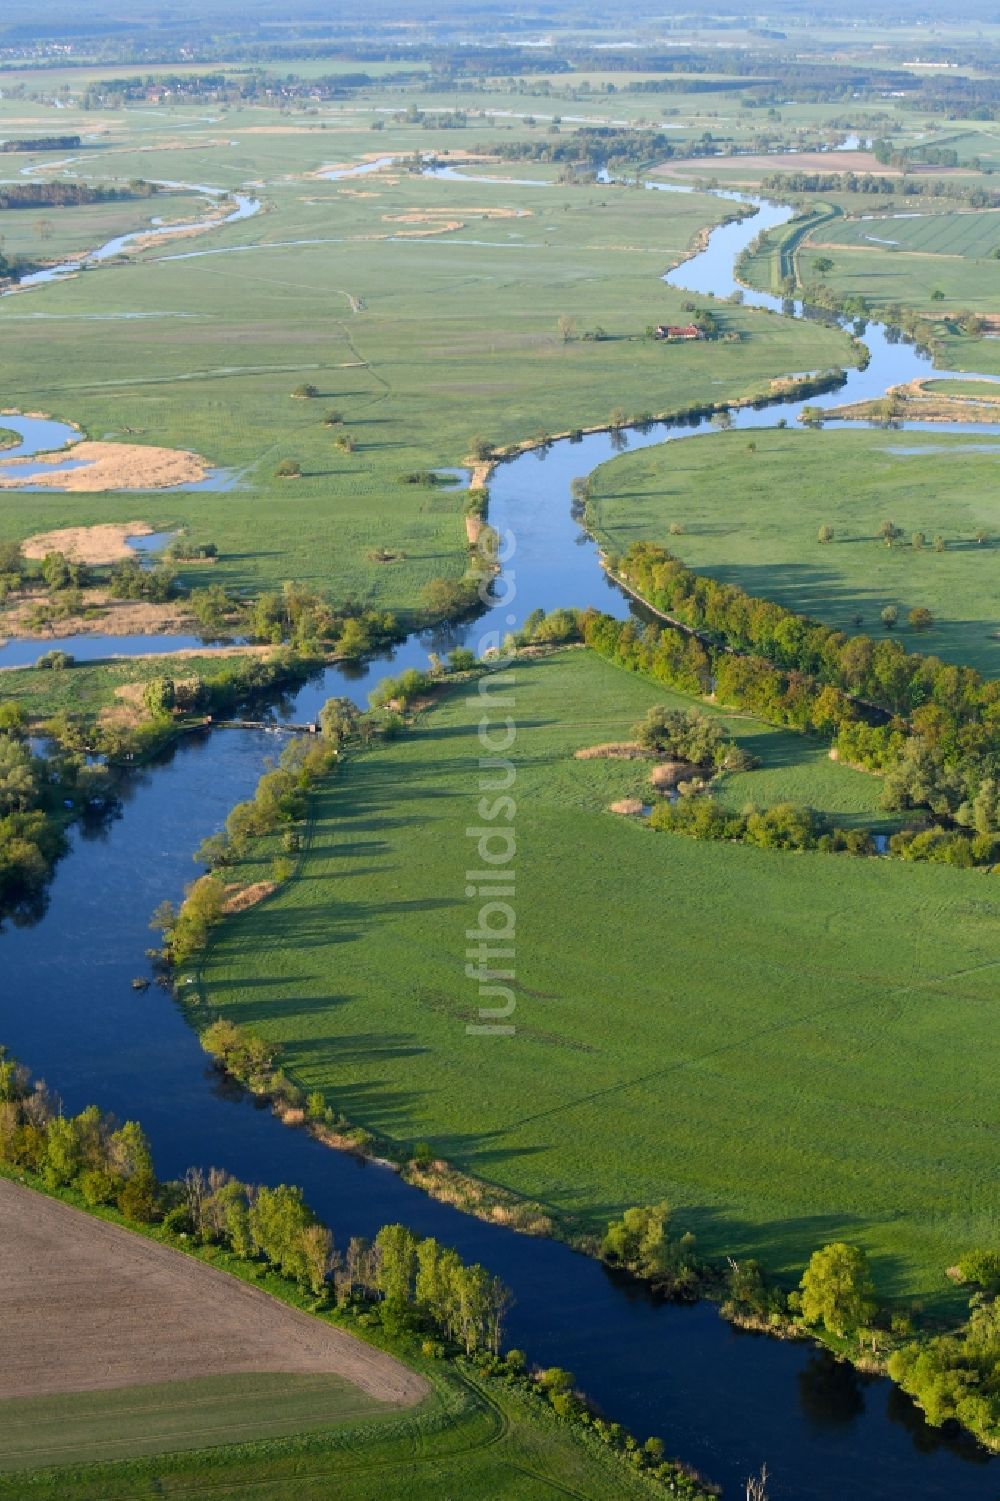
(129, 708)
(613, 750)
(114, 617)
(431, 215)
(369, 156)
(443, 227)
(90, 1306)
(109, 466)
(629, 806)
(669, 773)
(239, 898)
(915, 403)
(88, 544)
(279, 130)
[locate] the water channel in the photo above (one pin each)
(723, 1400)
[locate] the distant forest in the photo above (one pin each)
(68, 194)
(42, 143)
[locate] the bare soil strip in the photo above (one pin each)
(88, 1306)
(88, 544)
(108, 466)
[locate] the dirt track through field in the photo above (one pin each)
(86, 1305)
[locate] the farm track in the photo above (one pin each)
(500, 1430)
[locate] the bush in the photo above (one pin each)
(56, 661)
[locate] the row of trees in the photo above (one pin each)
(38, 798)
(417, 1282)
(108, 1163)
(784, 826)
(940, 720)
(867, 183)
(62, 194)
(278, 804)
(40, 143)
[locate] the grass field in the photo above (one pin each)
(789, 1049)
(970, 236)
(423, 336)
(81, 1427)
(752, 518)
(478, 1444)
(883, 274)
(44, 235)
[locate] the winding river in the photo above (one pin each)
(723, 1400)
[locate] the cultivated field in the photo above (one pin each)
(91, 1308)
(752, 517)
(886, 273)
(974, 236)
(790, 1049)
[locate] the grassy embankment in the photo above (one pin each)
(751, 516)
(790, 1049)
(972, 389)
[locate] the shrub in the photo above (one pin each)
(56, 661)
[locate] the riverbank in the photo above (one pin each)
(926, 400)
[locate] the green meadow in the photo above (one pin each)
(468, 1440)
(790, 1049)
(78, 1427)
(47, 235)
(750, 506)
(425, 312)
(885, 274)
